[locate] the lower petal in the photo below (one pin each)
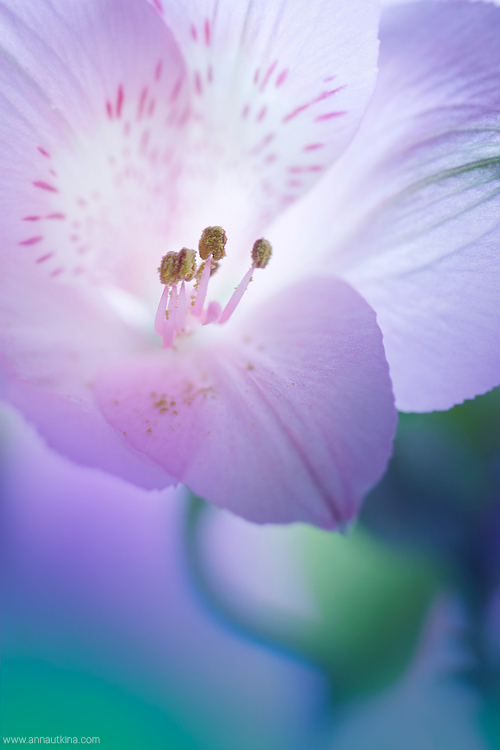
(79, 432)
(289, 417)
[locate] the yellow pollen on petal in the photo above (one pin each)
(261, 253)
(212, 242)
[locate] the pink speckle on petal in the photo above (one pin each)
(329, 116)
(158, 70)
(261, 146)
(142, 101)
(207, 32)
(184, 116)
(158, 5)
(145, 140)
(176, 89)
(109, 110)
(119, 101)
(194, 33)
(44, 152)
(246, 110)
(281, 78)
(268, 76)
(197, 83)
(269, 159)
(294, 183)
(328, 79)
(31, 241)
(56, 216)
(45, 257)
(300, 170)
(261, 114)
(321, 97)
(295, 112)
(327, 94)
(313, 146)
(45, 186)
(256, 76)
(57, 272)
(32, 218)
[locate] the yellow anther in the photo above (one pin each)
(169, 268)
(187, 264)
(212, 242)
(261, 253)
(177, 267)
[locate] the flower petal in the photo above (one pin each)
(410, 215)
(79, 432)
(289, 418)
(91, 115)
(69, 215)
(278, 90)
(51, 351)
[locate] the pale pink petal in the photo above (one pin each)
(277, 90)
(92, 122)
(288, 417)
(78, 431)
(52, 347)
(80, 203)
(411, 215)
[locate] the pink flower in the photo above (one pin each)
(126, 136)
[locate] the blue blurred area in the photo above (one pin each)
(154, 621)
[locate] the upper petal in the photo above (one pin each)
(278, 90)
(91, 140)
(410, 215)
(289, 418)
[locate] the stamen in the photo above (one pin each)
(236, 296)
(261, 253)
(187, 264)
(212, 242)
(202, 288)
(169, 327)
(160, 313)
(173, 316)
(180, 322)
(169, 268)
(176, 267)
